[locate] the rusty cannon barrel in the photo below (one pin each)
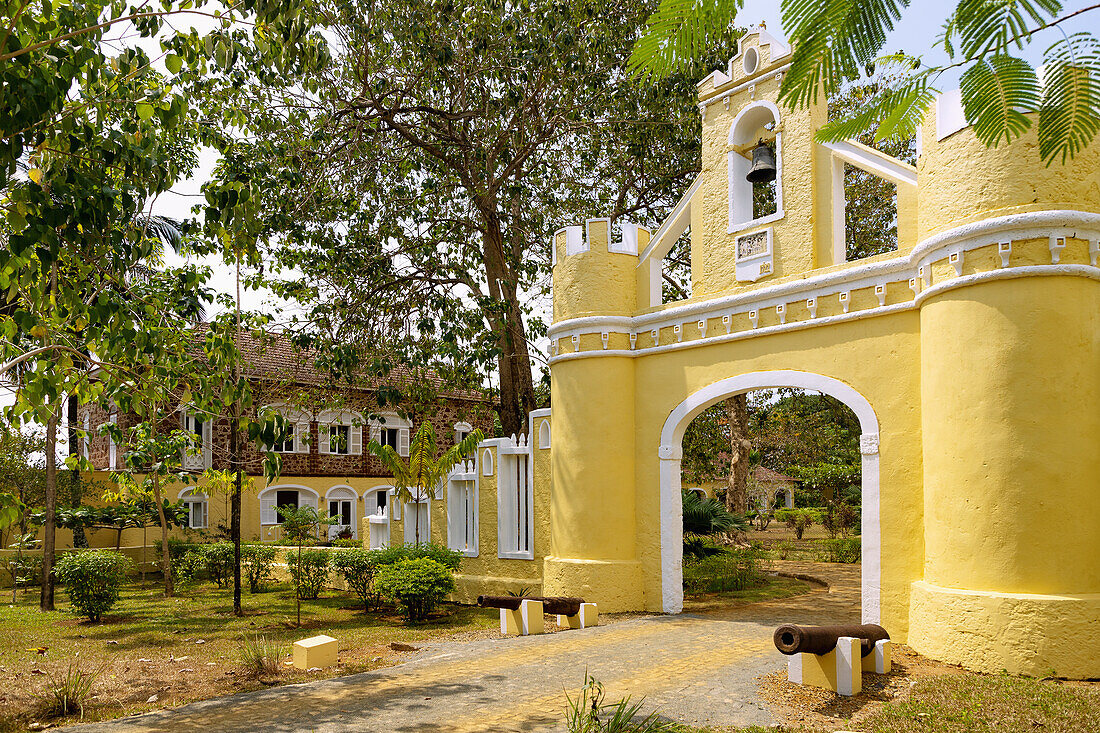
(552, 604)
(794, 639)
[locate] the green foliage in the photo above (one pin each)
(357, 566)
(426, 470)
(64, 693)
(310, 573)
(705, 515)
(347, 542)
(784, 549)
(842, 549)
(440, 553)
(208, 561)
(836, 41)
(588, 713)
(696, 546)
(736, 569)
(93, 579)
(798, 519)
(261, 657)
(416, 586)
(258, 566)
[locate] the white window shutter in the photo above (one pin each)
(356, 440)
(301, 437)
(376, 433)
(403, 442)
(267, 510)
(207, 442)
(324, 437)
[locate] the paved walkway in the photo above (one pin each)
(697, 668)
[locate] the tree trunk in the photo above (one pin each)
(49, 529)
(235, 511)
(737, 416)
(165, 555)
(517, 388)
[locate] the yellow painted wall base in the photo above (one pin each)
(839, 670)
(1018, 632)
(615, 586)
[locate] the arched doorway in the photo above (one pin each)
(670, 452)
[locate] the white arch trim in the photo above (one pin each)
(670, 452)
(341, 491)
(194, 492)
(287, 487)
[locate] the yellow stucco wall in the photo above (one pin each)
(975, 347)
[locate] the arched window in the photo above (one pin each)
(758, 121)
(487, 462)
(544, 435)
(199, 424)
(342, 504)
(340, 432)
(291, 495)
(198, 508)
(392, 430)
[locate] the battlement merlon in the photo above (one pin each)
(594, 270)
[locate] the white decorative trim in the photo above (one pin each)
(781, 311)
(873, 161)
(1004, 249)
(1012, 273)
(1057, 244)
(950, 117)
(1080, 225)
(605, 336)
(811, 305)
(880, 292)
(669, 450)
(868, 444)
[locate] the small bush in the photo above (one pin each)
(210, 561)
(784, 549)
(357, 566)
(346, 542)
(93, 579)
(798, 519)
(66, 692)
(260, 657)
(699, 546)
(313, 575)
(416, 586)
(842, 549)
(736, 569)
(441, 554)
(258, 566)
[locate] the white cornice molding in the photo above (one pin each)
(1029, 225)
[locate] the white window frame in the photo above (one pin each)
(375, 521)
(392, 421)
(112, 447)
(299, 442)
(86, 439)
(462, 429)
(188, 460)
(268, 516)
(408, 529)
(330, 419)
(515, 501)
(342, 492)
(193, 496)
(463, 508)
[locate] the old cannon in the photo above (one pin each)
(561, 605)
(834, 657)
(794, 639)
(523, 614)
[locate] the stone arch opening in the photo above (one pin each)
(670, 453)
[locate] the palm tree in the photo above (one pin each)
(425, 470)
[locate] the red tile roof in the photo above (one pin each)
(767, 475)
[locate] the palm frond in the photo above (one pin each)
(1069, 116)
(992, 26)
(997, 92)
(894, 113)
(678, 33)
(834, 41)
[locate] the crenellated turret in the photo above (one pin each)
(594, 271)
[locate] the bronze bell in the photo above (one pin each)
(763, 164)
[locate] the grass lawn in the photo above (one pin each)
(158, 652)
(776, 587)
(976, 704)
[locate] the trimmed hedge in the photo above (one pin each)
(416, 586)
(93, 579)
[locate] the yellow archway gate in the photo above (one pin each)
(971, 356)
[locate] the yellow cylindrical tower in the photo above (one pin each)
(593, 552)
(1010, 413)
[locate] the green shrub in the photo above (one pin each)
(703, 515)
(314, 572)
(260, 657)
(736, 569)
(842, 549)
(798, 519)
(357, 566)
(258, 566)
(416, 586)
(440, 553)
(93, 579)
(208, 561)
(347, 542)
(66, 692)
(698, 546)
(784, 549)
